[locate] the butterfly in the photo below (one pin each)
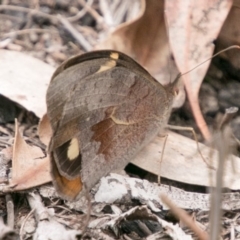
(103, 108)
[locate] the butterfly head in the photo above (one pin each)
(176, 92)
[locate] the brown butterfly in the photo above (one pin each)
(103, 108)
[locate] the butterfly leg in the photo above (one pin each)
(172, 127)
(161, 158)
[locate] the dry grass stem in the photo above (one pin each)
(184, 217)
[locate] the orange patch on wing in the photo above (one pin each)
(68, 189)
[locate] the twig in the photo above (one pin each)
(120, 11)
(48, 227)
(78, 36)
(27, 31)
(6, 232)
(222, 139)
(51, 18)
(88, 215)
(106, 11)
(24, 222)
(81, 13)
(12, 18)
(61, 207)
(93, 12)
(36, 4)
(5, 143)
(183, 216)
(10, 211)
(227, 117)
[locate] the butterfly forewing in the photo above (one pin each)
(103, 110)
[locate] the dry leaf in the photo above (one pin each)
(44, 130)
(122, 189)
(145, 39)
(29, 165)
(182, 162)
(24, 79)
(139, 213)
(193, 26)
(230, 35)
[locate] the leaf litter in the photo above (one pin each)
(58, 41)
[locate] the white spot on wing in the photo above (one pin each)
(73, 149)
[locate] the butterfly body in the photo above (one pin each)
(103, 108)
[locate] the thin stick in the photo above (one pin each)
(10, 211)
(93, 12)
(184, 217)
(81, 13)
(222, 138)
(88, 215)
(23, 224)
(32, 11)
(78, 36)
(27, 31)
(227, 117)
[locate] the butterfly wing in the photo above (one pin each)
(103, 110)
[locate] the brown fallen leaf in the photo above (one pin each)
(44, 130)
(30, 167)
(145, 39)
(193, 26)
(182, 162)
(230, 35)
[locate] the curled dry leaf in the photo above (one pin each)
(29, 165)
(230, 35)
(145, 39)
(24, 79)
(182, 162)
(193, 26)
(44, 130)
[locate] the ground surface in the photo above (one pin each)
(220, 90)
